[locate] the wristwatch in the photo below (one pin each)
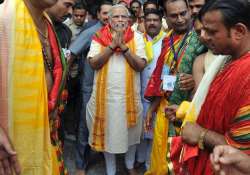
(112, 49)
(201, 144)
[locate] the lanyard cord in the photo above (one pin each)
(175, 60)
(180, 47)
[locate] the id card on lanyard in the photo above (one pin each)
(167, 79)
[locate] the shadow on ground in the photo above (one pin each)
(96, 162)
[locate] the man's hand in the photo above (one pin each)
(186, 82)
(191, 133)
(148, 121)
(121, 42)
(115, 40)
(117, 35)
(8, 157)
(170, 112)
(227, 160)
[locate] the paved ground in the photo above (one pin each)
(96, 164)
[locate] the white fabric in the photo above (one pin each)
(110, 163)
(110, 160)
(164, 24)
(209, 58)
(118, 137)
(130, 157)
(201, 93)
(145, 76)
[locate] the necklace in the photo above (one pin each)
(43, 35)
(45, 46)
(227, 61)
(47, 62)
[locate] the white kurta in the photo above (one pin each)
(145, 76)
(118, 137)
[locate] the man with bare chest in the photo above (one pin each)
(32, 71)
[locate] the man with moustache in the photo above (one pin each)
(224, 115)
(32, 71)
(180, 47)
(195, 6)
(136, 7)
(114, 111)
(153, 42)
(80, 47)
(77, 21)
(58, 13)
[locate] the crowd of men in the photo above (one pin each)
(165, 83)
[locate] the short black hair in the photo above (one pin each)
(104, 3)
(150, 2)
(166, 1)
(78, 6)
(233, 11)
(153, 11)
(135, 1)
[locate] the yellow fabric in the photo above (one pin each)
(27, 93)
(55, 163)
(182, 110)
(131, 105)
(100, 116)
(158, 161)
(149, 45)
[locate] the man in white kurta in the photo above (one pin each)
(118, 137)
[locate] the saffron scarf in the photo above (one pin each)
(149, 45)
(104, 38)
(160, 148)
(24, 96)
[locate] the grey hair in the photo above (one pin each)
(110, 14)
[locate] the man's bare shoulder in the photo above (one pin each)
(199, 60)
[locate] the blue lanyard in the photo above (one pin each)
(180, 47)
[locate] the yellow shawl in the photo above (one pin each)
(100, 116)
(149, 45)
(23, 95)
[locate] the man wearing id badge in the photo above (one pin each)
(176, 48)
